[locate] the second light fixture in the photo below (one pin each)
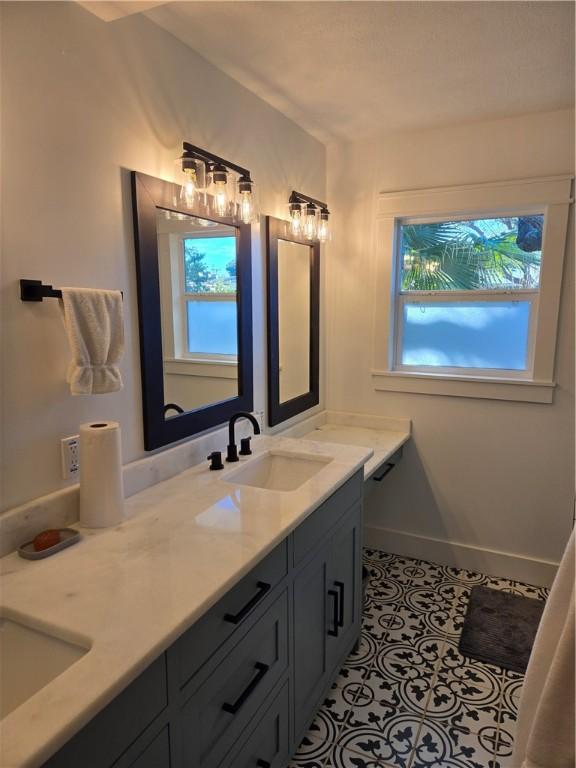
(308, 217)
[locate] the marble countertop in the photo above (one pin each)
(383, 434)
(384, 442)
(130, 591)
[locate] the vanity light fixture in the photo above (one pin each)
(200, 171)
(308, 217)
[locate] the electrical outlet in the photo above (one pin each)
(70, 451)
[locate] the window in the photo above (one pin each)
(468, 294)
(467, 289)
(209, 296)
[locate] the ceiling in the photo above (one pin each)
(354, 70)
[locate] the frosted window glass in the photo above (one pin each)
(212, 327)
(481, 334)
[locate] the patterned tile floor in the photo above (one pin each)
(407, 698)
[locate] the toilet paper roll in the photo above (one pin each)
(101, 486)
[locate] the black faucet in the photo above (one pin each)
(172, 407)
(232, 449)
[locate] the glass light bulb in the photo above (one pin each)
(323, 231)
(246, 207)
(188, 190)
(310, 225)
(296, 221)
(221, 198)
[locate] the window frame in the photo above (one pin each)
(550, 196)
(181, 351)
(402, 298)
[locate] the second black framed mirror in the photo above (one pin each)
(293, 288)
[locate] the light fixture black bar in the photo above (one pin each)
(208, 157)
(298, 197)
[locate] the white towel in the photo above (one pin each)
(545, 731)
(94, 323)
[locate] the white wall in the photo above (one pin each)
(84, 102)
(488, 474)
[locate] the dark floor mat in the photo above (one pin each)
(499, 628)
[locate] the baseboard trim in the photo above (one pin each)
(489, 561)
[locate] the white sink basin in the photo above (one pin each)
(279, 470)
(30, 658)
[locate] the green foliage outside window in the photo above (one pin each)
(479, 254)
(203, 272)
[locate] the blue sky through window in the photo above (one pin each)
(210, 264)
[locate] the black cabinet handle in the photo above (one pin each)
(335, 615)
(263, 764)
(236, 618)
(340, 587)
(389, 468)
(246, 693)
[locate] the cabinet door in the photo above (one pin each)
(156, 754)
(102, 742)
(310, 623)
(344, 587)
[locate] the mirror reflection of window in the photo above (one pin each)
(210, 294)
(198, 296)
(294, 319)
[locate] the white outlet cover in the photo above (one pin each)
(70, 452)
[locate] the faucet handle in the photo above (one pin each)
(232, 452)
(215, 460)
(245, 449)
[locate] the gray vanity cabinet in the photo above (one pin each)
(239, 688)
(156, 754)
(310, 635)
(327, 609)
(345, 580)
(269, 741)
(135, 715)
(224, 699)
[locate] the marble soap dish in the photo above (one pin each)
(68, 536)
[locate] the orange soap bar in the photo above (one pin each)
(46, 539)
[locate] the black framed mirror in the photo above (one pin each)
(194, 280)
(293, 286)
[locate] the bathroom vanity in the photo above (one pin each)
(240, 686)
(218, 617)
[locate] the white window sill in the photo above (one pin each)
(211, 369)
(522, 390)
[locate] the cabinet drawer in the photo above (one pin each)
(111, 732)
(269, 743)
(208, 633)
(313, 530)
(223, 704)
